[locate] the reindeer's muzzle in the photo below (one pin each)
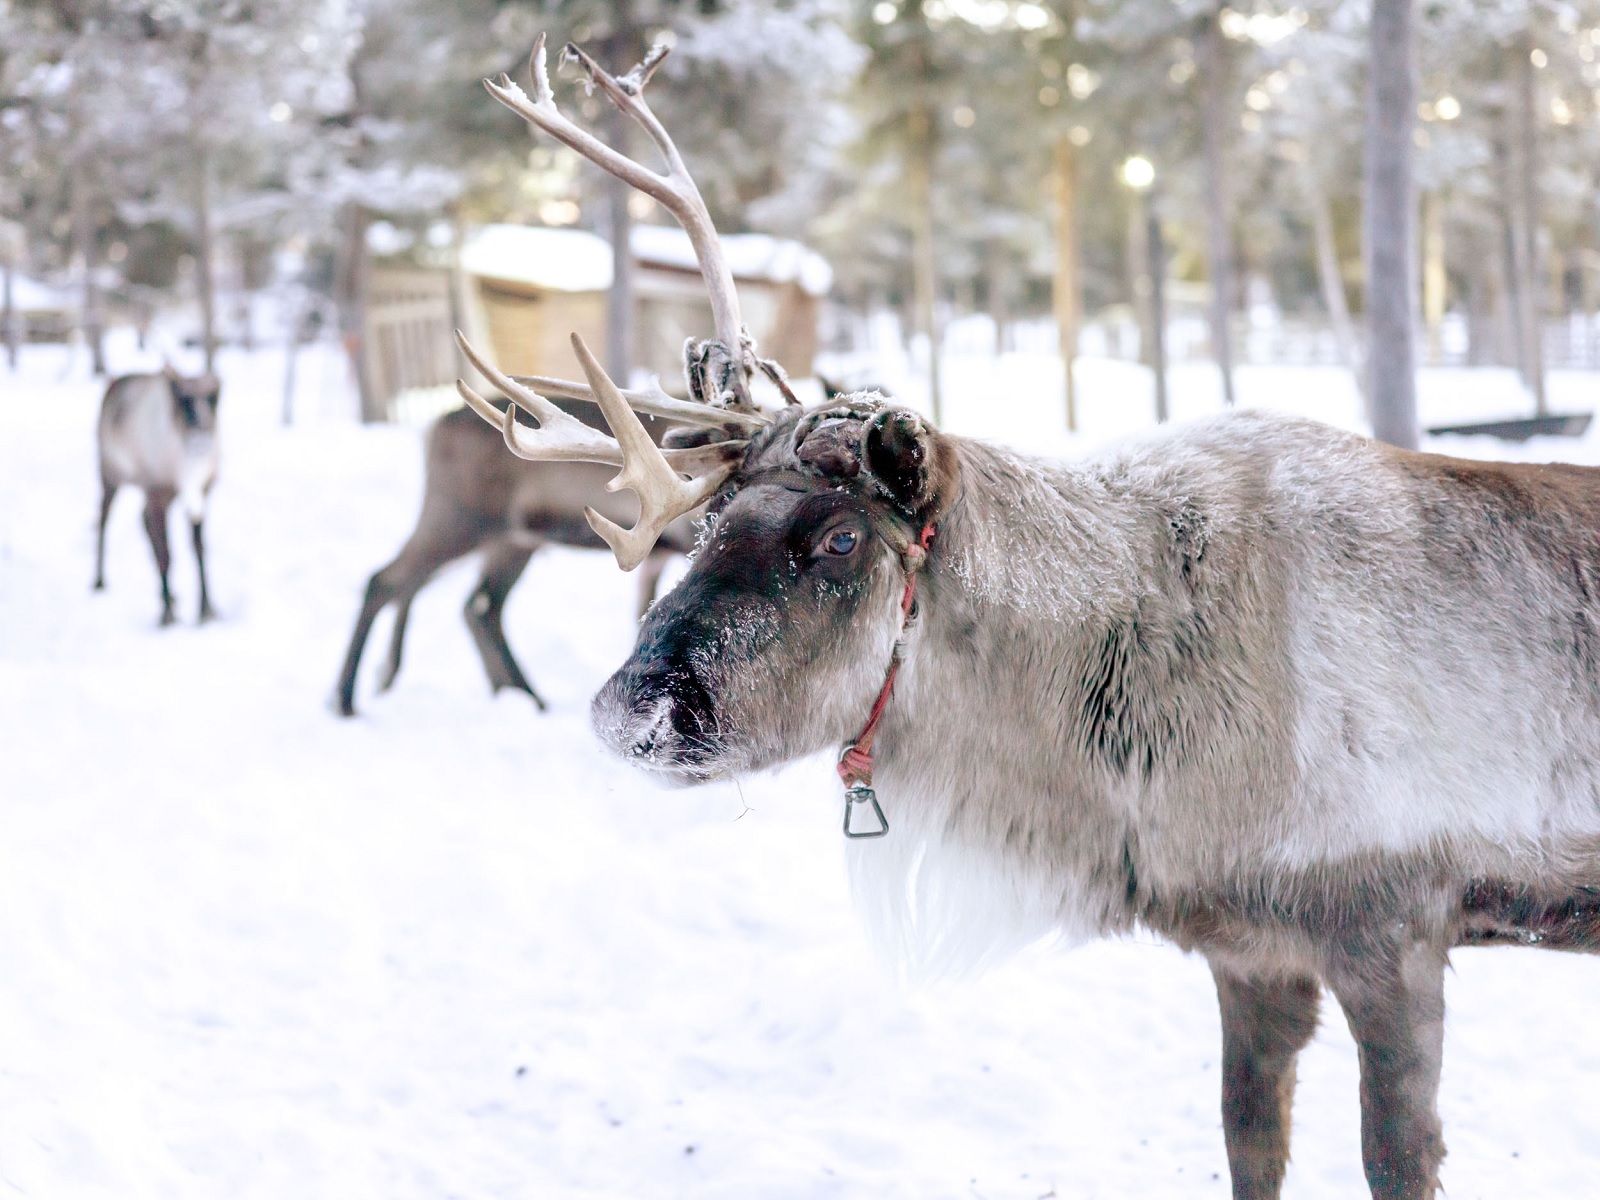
(658, 716)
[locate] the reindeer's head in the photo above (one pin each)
(776, 641)
(194, 400)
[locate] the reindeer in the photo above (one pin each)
(158, 432)
(478, 497)
(1316, 708)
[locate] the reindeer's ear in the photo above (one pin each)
(914, 461)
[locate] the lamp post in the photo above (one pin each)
(1139, 175)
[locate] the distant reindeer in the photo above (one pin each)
(158, 432)
(1315, 707)
(476, 496)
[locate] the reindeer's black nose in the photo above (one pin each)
(656, 714)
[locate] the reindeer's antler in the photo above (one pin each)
(675, 190)
(668, 483)
(654, 474)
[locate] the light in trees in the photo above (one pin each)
(1138, 172)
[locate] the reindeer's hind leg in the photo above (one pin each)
(156, 503)
(431, 545)
(1393, 998)
(1266, 1022)
(485, 607)
(397, 640)
(108, 493)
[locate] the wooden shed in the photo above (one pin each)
(529, 288)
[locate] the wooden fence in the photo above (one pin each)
(408, 347)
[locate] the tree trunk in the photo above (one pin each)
(205, 256)
(1434, 278)
(1502, 269)
(1331, 279)
(1215, 121)
(1390, 220)
(1525, 220)
(91, 318)
(1155, 244)
(620, 308)
(1068, 285)
(354, 273)
(8, 305)
(924, 254)
(1137, 252)
(998, 286)
(1480, 301)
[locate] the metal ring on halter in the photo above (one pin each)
(860, 793)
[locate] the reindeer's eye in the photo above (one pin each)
(840, 542)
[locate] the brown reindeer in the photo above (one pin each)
(1319, 709)
(477, 497)
(158, 433)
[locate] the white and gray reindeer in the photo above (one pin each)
(1316, 708)
(158, 432)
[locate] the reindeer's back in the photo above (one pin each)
(470, 471)
(1437, 633)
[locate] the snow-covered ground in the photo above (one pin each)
(449, 950)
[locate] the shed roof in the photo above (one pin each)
(575, 260)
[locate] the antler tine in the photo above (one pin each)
(652, 401)
(663, 495)
(561, 437)
(675, 190)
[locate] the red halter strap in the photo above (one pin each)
(855, 760)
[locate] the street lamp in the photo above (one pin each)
(1139, 174)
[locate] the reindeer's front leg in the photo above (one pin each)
(1266, 1021)
(1394, 1001)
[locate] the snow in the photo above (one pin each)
(574, 260)
(749, 255)
(30, 295)
(565, 260)
(449, 949)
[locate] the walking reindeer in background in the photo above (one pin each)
(478, 497)
(1314, 707)
(158, 432)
